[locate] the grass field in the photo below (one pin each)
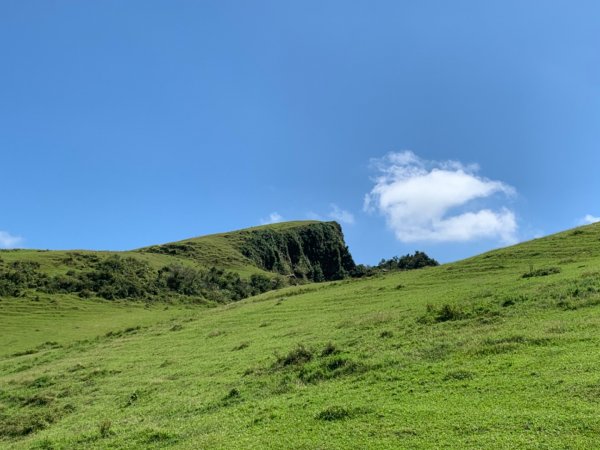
(63, 319)
(219, 250)
(206, 270)
(496, 351)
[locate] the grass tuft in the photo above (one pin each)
(241, 346)
(330, 349)
(297, 356)
(541, 272)
(104, 428)
(333, 413)
(459, 375)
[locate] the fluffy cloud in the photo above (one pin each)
(274, 217)
(335, 213)
(341, 215)
(589, 219)
(420, 198)
(7, 240)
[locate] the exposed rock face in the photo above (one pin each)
(316, 251)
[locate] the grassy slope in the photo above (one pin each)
(516, 367)
(38, 318)
(214, 250)
(62, 319)
(221, 249)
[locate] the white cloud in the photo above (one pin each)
(341, 215)
(7, 240)
(419, 197)
(335, 213)
(589, 219)
(274, 217)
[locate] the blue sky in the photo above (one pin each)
(449, 127)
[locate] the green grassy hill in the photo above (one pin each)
(210, 269)
(230, 250)
(54, 296)
(288, 248)
(496, 351)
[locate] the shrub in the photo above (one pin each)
(104, 428)
(20, 275)
(125, 277)
(297, 356)
(330, 349)
(18, 426)
(181, 279)
(232, 394)
(329, 368)
(446, 313)
(361, 271)
(541, 272)
(151, 436)
(449, 312)
(37, 400)
(332, 413)
(117, 277)
(133, 397)
(8, 288)
(260, 283)
(417, 260)
(408, 262)
(458, 375)
(511, 300)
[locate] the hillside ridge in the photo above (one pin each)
(218, 268)
(310, 250)
(494, 351)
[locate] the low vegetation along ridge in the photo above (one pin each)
(496, 351)
(295, 254)
(313, 251)
(115, 277)
(304, 253)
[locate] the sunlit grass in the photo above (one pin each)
(464, 355)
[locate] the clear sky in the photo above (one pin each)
(449, 127)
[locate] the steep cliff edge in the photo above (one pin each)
(219, 268)
(315, 251)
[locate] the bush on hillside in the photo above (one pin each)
(315, 253)
(297, 356)
(418, 260)
(260, 283)
(20, 275)
(181, 279)
(541, 272)
(117, 277)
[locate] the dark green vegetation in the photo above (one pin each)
(313, 251)
(252, 261)
(417, 260)
(472, 354)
